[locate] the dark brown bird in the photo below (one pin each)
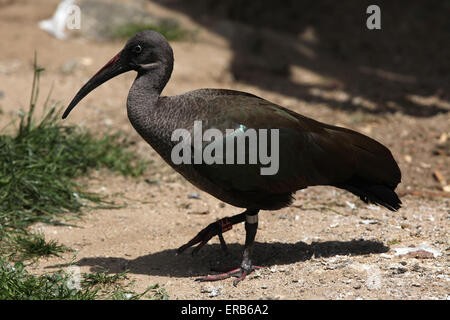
(310, 153)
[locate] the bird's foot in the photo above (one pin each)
(240, 273)
(213, 229)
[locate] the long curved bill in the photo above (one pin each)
(110, 70)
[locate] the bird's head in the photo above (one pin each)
(145, 52)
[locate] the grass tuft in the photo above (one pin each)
(38, 168)
(32, 246)
(101, 277)
(18, 284)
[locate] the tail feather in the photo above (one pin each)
(376, 172)
(376, 194)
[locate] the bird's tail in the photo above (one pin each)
(373, 193)
(376, 173)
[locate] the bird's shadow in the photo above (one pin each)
(167, 263)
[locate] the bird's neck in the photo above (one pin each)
(142, 103)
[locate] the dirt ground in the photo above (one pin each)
(327, 245)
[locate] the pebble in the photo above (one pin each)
(400, 270)
(369, 221)
(204, 212)
(334, 225)
(347, 281)
(193, 195)
(350, 205)
(422, 251)
(215, 292)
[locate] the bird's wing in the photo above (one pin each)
(310, 153)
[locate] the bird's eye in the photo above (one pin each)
(137, 49)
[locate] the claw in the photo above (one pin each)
(242, 277)
(213, 229)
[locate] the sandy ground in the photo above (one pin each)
(327, 245)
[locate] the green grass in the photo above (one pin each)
(101, 277)
(39, 167)
(169, 29)
(26, 246)
(18, 284)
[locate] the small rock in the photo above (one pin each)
(149, 181)
(350, 205)
(420, 254)
(399, 270)
(417, 267)
(334, 225)
(201, 213)
(193, 195)
(357, 286)
(405, 225)
(215, 292)
(264, 286)
(422, 251)
(367, 221)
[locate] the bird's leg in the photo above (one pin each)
(251, 227)
(213, 229)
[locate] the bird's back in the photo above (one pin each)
(310, 152)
